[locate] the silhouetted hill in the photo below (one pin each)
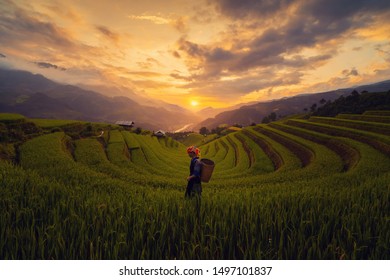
(37, 97)
(282, 107)
(37, 104)
(355, 103)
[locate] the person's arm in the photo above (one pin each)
(197, 170)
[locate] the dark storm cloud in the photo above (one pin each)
(241, 86)
(384, 50)
(17, 26)
(329, 9)
(191, 49)
(49, 65)
(215, 60)
(176, 54)
(149, 63)
(178, 76)
(339, 9)
(31, 33)
(108, 33)
(247, 8)
(311, 22)
(308, 28)
(350, 72)
(303, 24)
(354, 72)
(219, 54)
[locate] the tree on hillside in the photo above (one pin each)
(218, 130)
(138, 130)
(270, 118)
(204, 131)
(355, 103)
(265, 120)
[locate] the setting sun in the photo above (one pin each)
(172, 50)
(194, 103)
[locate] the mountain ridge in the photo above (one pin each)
(35, 96)
(248, 114)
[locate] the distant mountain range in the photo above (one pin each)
(210, 112)
(255, 113)
(37, 97)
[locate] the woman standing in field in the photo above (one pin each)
(194, 186)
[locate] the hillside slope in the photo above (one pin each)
(282, 107)
(37, 97)
(293, 189)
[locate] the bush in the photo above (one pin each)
(138, 130)
(56, 129)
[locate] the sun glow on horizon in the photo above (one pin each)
(194, 103)
(189, 53)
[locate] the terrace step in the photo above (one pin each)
(380, 128)
(366, 118)
(378, 141)
(348, 155)
(303, 153)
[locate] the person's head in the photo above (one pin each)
(193, 151)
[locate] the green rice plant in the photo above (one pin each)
(117, 151)
(378, 141)
(251, 159)
(380, 128)
(167, 158)
(86, 200)
(377, 113)
(302, 151)
(281, 157)
(262, 161)
(51, 123)
(226, 156)
(348, 155)
(155, 158)
(193, 139)
(11, 118)
(210, 149)
(236, 153)
(324, 160)
(285, 221)
(221, 149)
(366, 118)
(130, 139)
(90, 152)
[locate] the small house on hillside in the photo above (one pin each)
(125, 123)
(159, 133)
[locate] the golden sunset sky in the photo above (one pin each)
(200, 53)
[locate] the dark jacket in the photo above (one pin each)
(194, 185)
(195, 169)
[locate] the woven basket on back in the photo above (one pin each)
(207, 169)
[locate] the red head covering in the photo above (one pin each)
(193, 149)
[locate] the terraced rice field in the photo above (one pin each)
(297, 189)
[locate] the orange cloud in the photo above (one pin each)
(220, 51)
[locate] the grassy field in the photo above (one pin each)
(196, 139)
(7, 117)
(295, 189)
